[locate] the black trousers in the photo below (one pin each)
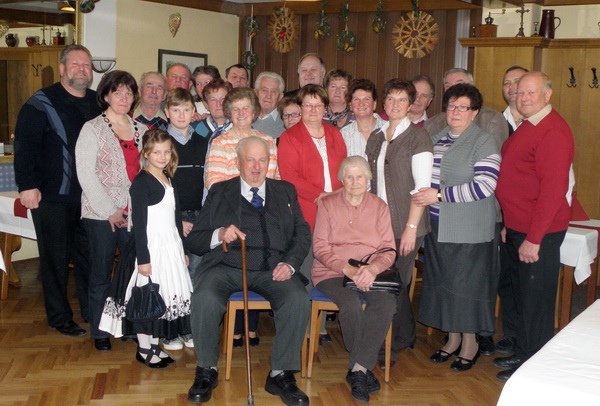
(103, 243)
(534, 289)
(61, 238)
(403, 323)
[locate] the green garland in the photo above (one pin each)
(252, 26)
(379, 22)
(345, 40)
(322, 28)
(249, 60)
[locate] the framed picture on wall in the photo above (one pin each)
(192, 60)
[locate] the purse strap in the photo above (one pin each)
(367, 257)
(149, 281)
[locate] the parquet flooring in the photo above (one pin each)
(39, 366)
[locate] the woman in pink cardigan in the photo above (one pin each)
(353, 224)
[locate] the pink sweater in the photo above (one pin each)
(343, 231)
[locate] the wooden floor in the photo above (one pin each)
(39, 366)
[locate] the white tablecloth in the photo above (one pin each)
(9, 223)
(579, 249)
(566, 371)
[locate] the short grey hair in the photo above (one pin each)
(270, 75)
(65, 52)
(308, 55)
(352, 162)
(239, 149)
(158, 74)
(460, 70)
(183, 66)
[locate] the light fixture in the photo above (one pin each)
(65, 6)
(102, 64)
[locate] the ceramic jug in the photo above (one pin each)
(547, 26)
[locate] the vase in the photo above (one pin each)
(31, 41)
(11, 40)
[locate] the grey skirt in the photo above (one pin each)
(458, 288)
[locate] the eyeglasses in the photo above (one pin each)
(291, 115)
(313, 106)
(462, 109)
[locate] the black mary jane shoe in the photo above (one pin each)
(149, 352)
(462, 364)
(442, 356)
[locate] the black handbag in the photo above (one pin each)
(387, 281)
(145, 303)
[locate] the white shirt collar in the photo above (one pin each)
(247, 193)
(422, 118)
(509, 117)
(399, 129)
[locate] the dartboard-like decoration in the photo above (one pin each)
(415, 37)
(283, 29)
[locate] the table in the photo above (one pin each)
(12, 226)
(565, 371)
(577, 252)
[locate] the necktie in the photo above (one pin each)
(256, 201)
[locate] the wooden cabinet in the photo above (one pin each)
(23, 71)
(578, 104)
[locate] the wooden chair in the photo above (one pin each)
(320, 303)
(235, 303)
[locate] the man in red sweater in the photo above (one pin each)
(532, 188)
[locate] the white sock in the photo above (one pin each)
(275, 372)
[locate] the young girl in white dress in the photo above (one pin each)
(158, 230)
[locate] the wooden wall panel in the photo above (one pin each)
(375, 57)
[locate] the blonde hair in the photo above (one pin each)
(150, 139)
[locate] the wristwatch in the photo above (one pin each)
(439, 195)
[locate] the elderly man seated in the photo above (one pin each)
(266, 213)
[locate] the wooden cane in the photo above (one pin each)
(246, 327)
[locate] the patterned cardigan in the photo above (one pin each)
(101, 169)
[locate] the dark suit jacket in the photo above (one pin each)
(223, 208)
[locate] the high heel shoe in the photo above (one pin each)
(149, 352)
(462, 364)
(442, 356)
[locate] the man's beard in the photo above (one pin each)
(79, 83)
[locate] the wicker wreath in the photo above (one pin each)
(283, 29)
(415, 37)
(252, 26)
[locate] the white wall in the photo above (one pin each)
(577, 21)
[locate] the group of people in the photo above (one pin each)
(313, 180)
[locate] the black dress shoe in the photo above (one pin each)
(359, 386)
(442, 356)
(204, 383)
(254, 341)
(373, 385)
(506, 345)
(462, 364)
(513, 361)
(238, 342)
(70, 328)
(284, 385)
(324, 338)
(503, 376)
(486, 344)
(330, 317)
(102, 344)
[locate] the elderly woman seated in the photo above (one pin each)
(350, 225)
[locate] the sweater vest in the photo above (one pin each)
(189, 177)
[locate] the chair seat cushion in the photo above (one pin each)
(252, 297)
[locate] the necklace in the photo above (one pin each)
(136, 133)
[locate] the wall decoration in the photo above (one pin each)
(379, 22)
(249, 60)
(415, 34)
(322, 28)
(252, 26)
(345, 40)
(283, 29)
(166, 58)
(3, 29)
(174, 23)
(87, 6)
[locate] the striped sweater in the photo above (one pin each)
(221, 160)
